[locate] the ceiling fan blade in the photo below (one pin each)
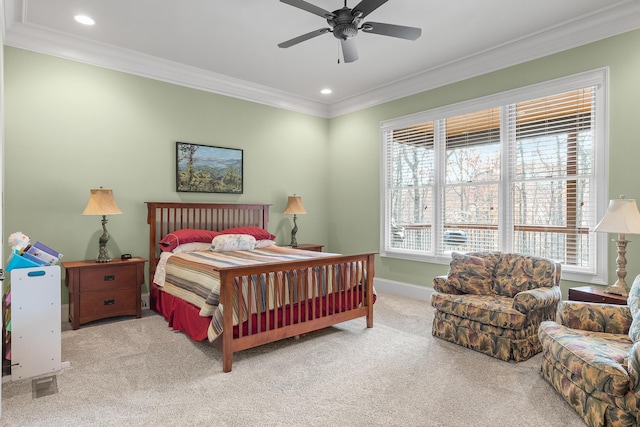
(304, 37)
(365, 7)
(300, 4)
(349, 50)
(400, 31)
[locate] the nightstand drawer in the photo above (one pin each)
(107, 278)
(97, 305)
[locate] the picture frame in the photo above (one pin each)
(209, 169)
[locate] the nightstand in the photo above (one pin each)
(98, 290)
(310, 247)
(595, 294)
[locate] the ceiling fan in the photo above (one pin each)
(344, 24)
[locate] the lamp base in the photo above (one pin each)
(620, 287)
(294, 242)
(617, 289)
(103, 252)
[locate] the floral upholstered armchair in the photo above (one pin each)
(591, 357)
(494, 302)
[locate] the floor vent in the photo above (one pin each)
(44, 386)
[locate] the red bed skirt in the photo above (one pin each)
(185, 317)
(181, 315)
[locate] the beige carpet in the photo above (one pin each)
(137, 372)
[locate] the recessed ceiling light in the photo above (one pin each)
(83, 19)
(325, 91)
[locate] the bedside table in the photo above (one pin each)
(310, 247)
(595, 294)
(98, 290)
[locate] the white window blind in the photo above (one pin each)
(410, 181)
(520, 175)
(552, 162)
(472, 182)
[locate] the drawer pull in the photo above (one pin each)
(109, 301)
(109, 278)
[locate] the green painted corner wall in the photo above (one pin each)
(354, 172)
(71, 126)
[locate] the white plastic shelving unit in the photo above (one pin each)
(36, 347)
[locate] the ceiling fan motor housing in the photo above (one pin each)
(345, 31)
(344, 24)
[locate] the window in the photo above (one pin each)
(522, 171)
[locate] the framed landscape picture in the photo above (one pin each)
(206, 169)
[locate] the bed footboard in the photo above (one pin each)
(297, 297)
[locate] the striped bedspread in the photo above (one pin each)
(192, 276)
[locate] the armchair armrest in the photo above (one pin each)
(440, 285)
(535, 299)
(587, 316)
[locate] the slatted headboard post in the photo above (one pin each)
(166, 217)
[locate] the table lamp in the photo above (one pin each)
(622, 217)
(294, 206)
(101, 202)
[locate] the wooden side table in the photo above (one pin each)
(595, 294)
(100, 290)
(310, 247)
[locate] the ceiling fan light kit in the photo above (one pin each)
(344, 25)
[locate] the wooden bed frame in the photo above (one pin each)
(352, 296)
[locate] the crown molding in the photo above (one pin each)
(617, 19)
(43, 40)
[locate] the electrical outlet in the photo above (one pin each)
(145, 301)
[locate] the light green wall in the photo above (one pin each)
(354, 150)
(71, 126)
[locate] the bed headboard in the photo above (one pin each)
(165, 217)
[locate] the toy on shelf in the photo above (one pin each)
(25, 255)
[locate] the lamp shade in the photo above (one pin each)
(294, 205)
(101, 202)
(622, 216)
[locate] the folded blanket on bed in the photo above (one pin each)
(193, 277)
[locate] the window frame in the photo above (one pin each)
(598, 78)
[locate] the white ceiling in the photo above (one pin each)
(230, 46)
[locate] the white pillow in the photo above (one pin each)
(233, 242)
(264, 243)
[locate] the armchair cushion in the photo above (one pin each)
(471, 274)
(486, 309)
(598, 366)
(516, 273)
(608, 318)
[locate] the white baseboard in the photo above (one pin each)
(408, 290)
(64, 309)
